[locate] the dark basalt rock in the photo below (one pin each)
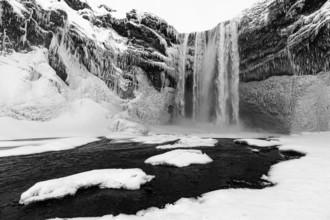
(267, 48)
(77, 4)
(11, 26)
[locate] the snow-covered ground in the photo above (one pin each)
(302, 191)
(130, 179)
(15, 148)
(156, 139)
(180, 158)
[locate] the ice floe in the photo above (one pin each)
(180, 158)
(191, 142)
(130, 179)
(257, 142)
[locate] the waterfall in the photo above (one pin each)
(215, 75)
(228, 75)
(180, 97)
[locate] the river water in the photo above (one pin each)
(234, 166)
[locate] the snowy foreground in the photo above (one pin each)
(180, 158)
(130, 179)
(302, 191)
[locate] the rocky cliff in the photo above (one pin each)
(83, 38)
(284, 59)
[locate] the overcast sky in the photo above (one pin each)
(187, 15)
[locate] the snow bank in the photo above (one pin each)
(302, 191)
(189, 142)
(36, 103)
(209, 131)
(156, 139)
(130, 179)
(35, 147)
(257, 142)
(180, 158)
(82, 117)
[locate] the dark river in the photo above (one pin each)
(234, 166)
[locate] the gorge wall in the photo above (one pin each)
(284, 64)
(267, 68)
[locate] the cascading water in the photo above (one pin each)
(180, 97)
(215, 72)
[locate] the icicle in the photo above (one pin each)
(23, 38)
(3, 49)
(1, 11)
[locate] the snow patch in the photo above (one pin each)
(257, 142)
(190, 142)
(156, 139)
(180, 158)
(130, 179)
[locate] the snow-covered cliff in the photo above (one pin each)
(266, 68)
(75, 49)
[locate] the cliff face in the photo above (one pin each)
(289, 39)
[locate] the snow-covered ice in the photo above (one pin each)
(180, 158)
(15, 148)
(257, 142)
(190, 142)
(156, 139)
(130, 179)
(302, 191)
